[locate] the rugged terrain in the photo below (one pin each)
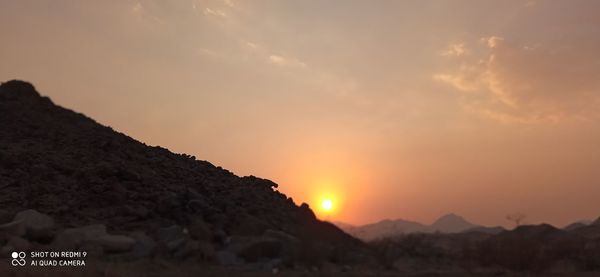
(126, 200)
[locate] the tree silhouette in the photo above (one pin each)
(517, 218)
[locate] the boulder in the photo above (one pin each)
(115, 243)
(18, 243)
(187, 249)
(144, 246)
(199, 230)
(280, 235)
(257, 248)
(248, 225)
(171, 233)
(206, 251)
(16, 228)
(290, 244)
(5, 217)
(172, 238)
(38, 226)
(72, 238)
(228, 258)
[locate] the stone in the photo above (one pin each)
(172, 238)
(247, 225)
(280, 235)
(186, 250)
(16, 228)
(220, 236)
(144, 246)
(18, 244)
(38, 226)
(255, 249)
(206, 251)
(72, 238)
(139, 212)
(5, 217)
(290, 244)
(115, 243)
(176, 244)
(171, 233)
(199, 230)
(227, 258)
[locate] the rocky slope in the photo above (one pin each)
(77, 173)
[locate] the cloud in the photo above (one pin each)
(206, 52)
(456, 49)
(217, 13)
(137, 8)
(510, 82)
(252, 45)
(229, 3)
(284, 61)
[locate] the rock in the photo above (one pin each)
(5, 217)
(16, 228)
(220, 236)
(139, 212)
(171, 233)
(18, 244)
(176, 244)
(72, 238)
(38, 226)
(290, 244)
(172, 238)
(199, 230)
(115, 243)
(186, 250)
(144, 246)
(254, 249)
(206, 251)
(225, 257)
(249, 225)
(280, 235)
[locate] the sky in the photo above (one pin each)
(391, 109)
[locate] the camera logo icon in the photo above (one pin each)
(18, 258)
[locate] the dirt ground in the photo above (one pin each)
(156, 269)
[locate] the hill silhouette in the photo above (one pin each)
(449, 223)
(78, 172)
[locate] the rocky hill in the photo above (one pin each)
(65, 170)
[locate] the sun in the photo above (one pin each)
(327, 205)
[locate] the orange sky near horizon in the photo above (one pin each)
(391, 109)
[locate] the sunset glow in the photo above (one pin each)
(464, 104)
(327, 205)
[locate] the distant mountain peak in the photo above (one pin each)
(451, 223)
(451, 217)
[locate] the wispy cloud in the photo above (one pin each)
(516, 83)
(456, 49)
(229, 3)
(285, 61)
(214, 12)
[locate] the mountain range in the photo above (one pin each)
(447, 224)
(450, 223)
